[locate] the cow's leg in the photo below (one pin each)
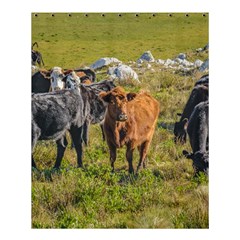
(113, 155)
(102, 129)
(61, 147)
(129, 156)
(76, 134)
(143, 149)
(36, 132)
(85, 132)
(33, 163)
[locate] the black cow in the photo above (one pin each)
(36, 56)
(102, 86)
(198, 94)
(204, 80)
(198, 131)
(67, 110)
(41, 82)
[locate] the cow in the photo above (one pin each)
(204, 80)
(55, 113)
(48, 80)
(55, 79)
(36, 56)
(198, 132)
(198, 94)
(88, 74)
(130, 120)
(102, 86)
(41, 82)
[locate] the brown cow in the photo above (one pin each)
(130, 120)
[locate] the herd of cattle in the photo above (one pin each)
(71, 100)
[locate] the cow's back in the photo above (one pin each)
(142, 112)
(143, 109)
(56, 112)
(198, 127)
(198, 94)
(40, 84)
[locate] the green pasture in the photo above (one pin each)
(165, 194)
(79, 40)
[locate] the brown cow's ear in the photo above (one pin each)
(45, 73)
(105, 96)
(66, 72)
(131, 96)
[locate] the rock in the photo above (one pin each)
(149, 66)
(147, 56)
(160, 61)
(198, 63)
(186, 63)
(178, 60)
(111, 70)
(169, 62)
(104, 62)
(182, 56)
(199, 50)
(139, 61)
(123, 72)
(204, 66)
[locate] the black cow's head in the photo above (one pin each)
(180, 131)
(200, 160)
(97, 107)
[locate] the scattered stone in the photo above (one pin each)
(147, 56)
(198, 63)
(123, 72)
(169, 62)
(160, 61)
(199, 50)
(186, 63)
(182, 56)
(204, 66)
(104, 62)
(178, 60)
(149, 66)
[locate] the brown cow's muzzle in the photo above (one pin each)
(122, 117)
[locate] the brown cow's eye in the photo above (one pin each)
(112, 102)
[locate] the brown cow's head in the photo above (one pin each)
(117, 100)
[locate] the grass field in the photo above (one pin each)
(165, 195)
